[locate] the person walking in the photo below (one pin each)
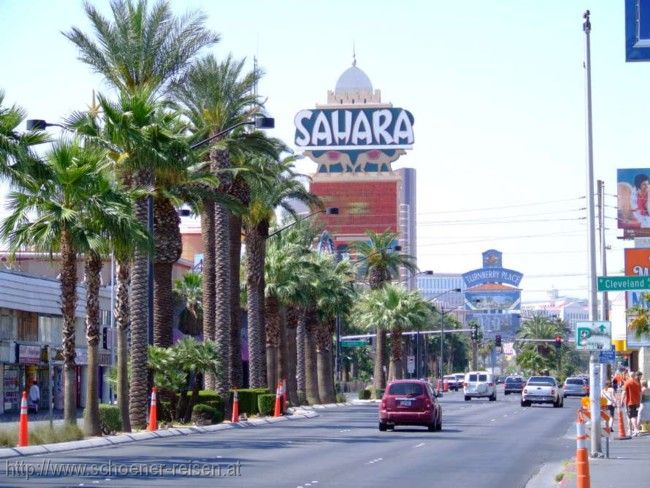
(34, 396)
(632, 399)
(610, 397)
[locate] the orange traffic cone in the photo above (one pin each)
(23, 430)
(582, 457)
(235, 408)
(621, 425)
(153, 411)
(278, 400)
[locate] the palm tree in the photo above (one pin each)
(380, 264)
(285, 190)
(216, 97)
(189, 288)
(65, 203)
(140, 52)
(396, 309)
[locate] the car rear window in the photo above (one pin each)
(541, 380)
(482, 377)
(472, 377)
(413, 389)
(514, 380)
(574, 381)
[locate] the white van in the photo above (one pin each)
(480, 384)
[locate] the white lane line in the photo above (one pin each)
(492, 420)
(375, 461)
(420, 444)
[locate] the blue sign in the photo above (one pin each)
(492, 275)
(354, 129)
(605, 357)
(637, 30)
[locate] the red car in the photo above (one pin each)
(409, 402)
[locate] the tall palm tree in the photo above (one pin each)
(73, 194)
(380, 264)
(216, 97)
(283, 192)
(396, 309)
(138, 50)
(189, 288)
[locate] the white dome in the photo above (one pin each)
(353, 79)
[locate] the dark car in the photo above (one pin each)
(576, 386)
(513, 384)
(409, 402)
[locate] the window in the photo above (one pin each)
(482, 377)
(409, 389)
(541, 380)
(472, 377)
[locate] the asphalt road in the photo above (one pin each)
(482, 444)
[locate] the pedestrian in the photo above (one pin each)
(644, 392)
(609, 395)
(34, 396)
(632, 399)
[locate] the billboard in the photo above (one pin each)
(637, 263)
(633, 192)
(637, 30)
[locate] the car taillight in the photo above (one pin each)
(552, 391)
(490, 384)
(428, 404)
(383, 404)
(525, 390)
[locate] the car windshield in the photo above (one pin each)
(541, 380)
(409, 389)
(574, 381)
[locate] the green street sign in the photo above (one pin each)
(358, 343)
(623, 283)
(593, 336)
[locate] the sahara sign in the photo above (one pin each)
(359, 129)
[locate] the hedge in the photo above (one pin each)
(204, 415)
(266, 404)
(110, 417)
(248, 399)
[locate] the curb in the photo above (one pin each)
(296, 413)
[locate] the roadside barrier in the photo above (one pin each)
(582, 456)
(23, 429)
(278, 400)
(153, 411)
(235, 408)
(621, 424)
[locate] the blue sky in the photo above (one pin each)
(496, 88)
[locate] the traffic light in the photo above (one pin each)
(497, 340)
(558, 341)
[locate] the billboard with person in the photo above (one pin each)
(633, 189)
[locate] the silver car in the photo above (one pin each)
(576, 386)
(542, 389)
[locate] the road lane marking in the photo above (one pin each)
(420, 444)
(375, 461)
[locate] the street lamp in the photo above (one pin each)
(258, 122)
(39, 124)
(326, 211)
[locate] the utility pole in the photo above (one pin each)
(600, 185)
(594, 369)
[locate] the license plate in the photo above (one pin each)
(405, 403)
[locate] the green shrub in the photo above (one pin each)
(205, 415)
(8, 437)
(110, 417)
(266, 404)
(43, 434)
(365, 394)
(341, 398)
(302, 398)
(379, 392)
(212, 398)
(248, 399)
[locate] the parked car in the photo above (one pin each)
(513, 384)
(576, 386)
(542, 389)
(452, 382)
(480, 384)
(409, 402)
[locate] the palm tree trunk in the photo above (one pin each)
(272, 341)
(92, 425)
(292, 386)
(255, 244)
(283, 349)
(139, 394)
(68, 306)
(209, 296)
(122, 324)
(236, 372)
(324, 363)
(300, 357)
(163, 305)
(311, 370)
(379, 382)
(396, 353)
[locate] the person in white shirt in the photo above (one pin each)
(608, 394)
(34, 396)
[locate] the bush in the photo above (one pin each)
(266, 404)
(302, 398)
(212, 398)
(340, 398)
(110, 417)
(8, 437)
(205, 415)
(248, 399)
(365, 394)
(379, 392)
